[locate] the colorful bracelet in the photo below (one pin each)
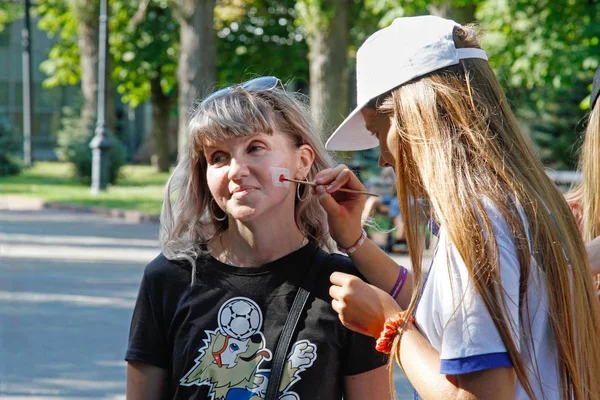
(356, 245)
(390, 330)
(399, 282)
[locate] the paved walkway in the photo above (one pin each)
(68, 286)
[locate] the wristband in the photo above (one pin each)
(356, 245)
(399, 282)
(390, 330)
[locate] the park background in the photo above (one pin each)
(162, 56)
(165, 54)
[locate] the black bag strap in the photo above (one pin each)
(285, 339)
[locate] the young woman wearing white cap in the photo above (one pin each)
(585, 198)
(507, 308)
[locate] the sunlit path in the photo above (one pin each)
(67, 289)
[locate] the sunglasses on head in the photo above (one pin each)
(262, 84)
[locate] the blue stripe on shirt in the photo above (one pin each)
(479, 362)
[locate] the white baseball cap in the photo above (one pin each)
(407, 49)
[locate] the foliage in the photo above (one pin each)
(557, 130)
(541, 47)
(542, 51)
(9, 11)
(246, 31)
(9, 143)
(143, 50)
(314, 15)
(74, 147)
(62, 66)
(138, 52)
(259, 37)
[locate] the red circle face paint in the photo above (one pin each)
(280, 176)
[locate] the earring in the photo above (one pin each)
(213, 213)
(306, 190)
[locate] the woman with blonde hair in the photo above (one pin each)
(506, 308)
(585, 198)
(240, 247)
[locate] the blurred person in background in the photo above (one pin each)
(386, 205)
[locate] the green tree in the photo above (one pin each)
(74, 58)
(144, 45)
(542, 50)
(557, 129)
(9, 143)
(260, 37)
(541, 46)
(9, 11)
(143, 53)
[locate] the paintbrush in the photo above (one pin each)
(283, 178)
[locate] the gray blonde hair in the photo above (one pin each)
(190, 219)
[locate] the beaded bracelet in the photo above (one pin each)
(356, 245)
(399, 282)
(390, 330)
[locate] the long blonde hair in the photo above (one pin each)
(458, 143)
(586, 195)
(192, 218)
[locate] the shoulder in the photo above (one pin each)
(335, 262)
(159, 267)
(504, 229)
(162, 271)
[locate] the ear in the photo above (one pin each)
(306, 157)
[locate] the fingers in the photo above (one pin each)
(326, 176)
(342, 179)
(344, 286)
(338, 177)
(329, 204)
(341, 308)
(340, 278)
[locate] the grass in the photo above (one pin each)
(139, 188)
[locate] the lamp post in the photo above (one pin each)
(27, 92)
(101, 144)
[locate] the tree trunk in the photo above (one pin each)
(87, 30)
(161, 107)
(196, 70)
(328, 56)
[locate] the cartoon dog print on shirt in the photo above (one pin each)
(232, 354)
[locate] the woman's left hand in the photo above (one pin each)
(361, 307)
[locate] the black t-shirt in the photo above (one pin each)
(217, 337)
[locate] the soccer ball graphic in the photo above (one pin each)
(240, 318)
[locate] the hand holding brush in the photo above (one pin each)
(282, 178)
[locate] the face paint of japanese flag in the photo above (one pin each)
(277, 173)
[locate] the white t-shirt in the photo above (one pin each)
(454, 318)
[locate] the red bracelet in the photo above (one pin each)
(356, 245)
(390, 330)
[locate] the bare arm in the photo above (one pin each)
(495, 383)
(593, 250)
(364, 308)
(381, 271)
(369, 385)
(344, 212)
(145, 381)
